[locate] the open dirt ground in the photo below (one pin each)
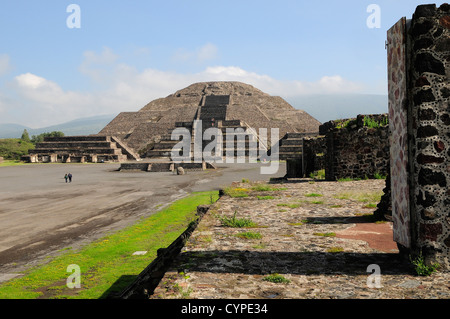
(40, 213)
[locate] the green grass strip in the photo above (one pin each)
(105, 261)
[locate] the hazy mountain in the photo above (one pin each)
(340, 106)
(83, 126)
(322, 107)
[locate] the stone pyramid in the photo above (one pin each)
(233, 103)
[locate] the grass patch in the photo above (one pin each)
(14, 148)
(335, 250)
(6, 163)
(325, 234)
(379, 176)
(249, 235)
(276, 278)
(105, 261)
(236, 192)
(237, 222)
(265, 197)
(319, 175)
(288, 205)
(363, 197)
(313, 195)
(267, 188)
(296, 224)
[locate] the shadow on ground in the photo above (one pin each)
(263, 263)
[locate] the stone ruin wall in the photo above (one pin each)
(313, 156)
(429, 130)
(354, 151)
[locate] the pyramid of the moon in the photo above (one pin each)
(221, 103)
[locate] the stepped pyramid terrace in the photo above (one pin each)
(233, 107)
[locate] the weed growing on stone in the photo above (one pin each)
(377, 175)
(237, 222)
(236, 192)
(373, 123)
(267, 188)
(259, 246)
(335, 250)
(363, 197)
(288, 205)
(325, 234)
(421, 268)
(265, 197)
(295, 224)
(277, 278)
(249, 235)
(320, 175)
(313, 195)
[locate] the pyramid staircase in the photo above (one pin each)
(291, 145)
(212, 113)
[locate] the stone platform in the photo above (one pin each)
(164, 166)
(323, 245)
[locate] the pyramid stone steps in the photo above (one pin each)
(221, 104)
(77, 149)
(76, 145)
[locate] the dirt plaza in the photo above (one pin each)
(41, 214)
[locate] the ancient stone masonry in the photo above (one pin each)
(314, 150)
(225, 105)
(349, 148)
(80, 149)
(419, 110)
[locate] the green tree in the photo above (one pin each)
(40, 138)
(25, 136)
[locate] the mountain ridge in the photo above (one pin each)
(81, 126)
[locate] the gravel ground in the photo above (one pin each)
(40, 213)
(325, 246)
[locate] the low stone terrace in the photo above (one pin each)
(316, 238)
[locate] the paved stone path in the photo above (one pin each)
(322, 245)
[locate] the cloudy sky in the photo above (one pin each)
(58, 63)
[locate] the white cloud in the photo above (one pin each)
(5, 65)
(96, 66)
(41, 102)
(202, 54)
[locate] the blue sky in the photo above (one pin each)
(127, 53)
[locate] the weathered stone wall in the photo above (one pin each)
(428, 49)
(314, 150)
(354, 150)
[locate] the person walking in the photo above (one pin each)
(70, 177)
(66, 177)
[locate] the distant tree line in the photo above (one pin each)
(15, 148)
(40, 138)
